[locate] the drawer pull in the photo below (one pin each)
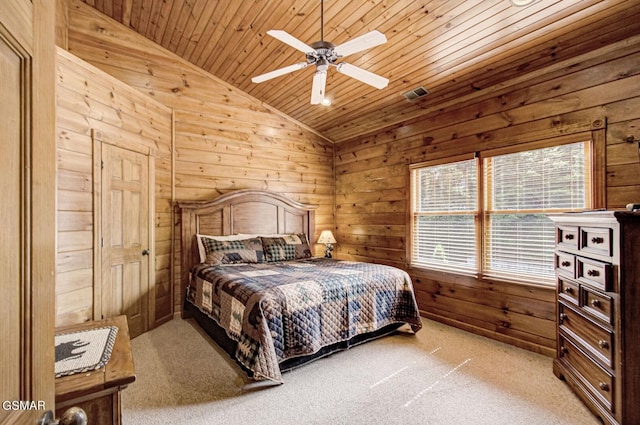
(569, 236)
(603, 386)
(595, 303)
(564, 350)
(568, 290)
(565, 263)
(593, 273)
(603, 344)
(597, 240)
(563, 317)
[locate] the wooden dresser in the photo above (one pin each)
(598, 311)
(98, 392)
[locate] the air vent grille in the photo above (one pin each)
(416, 93)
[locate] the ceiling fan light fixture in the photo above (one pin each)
(323, 54)
(521, 3)
(317, 89)
(322, 65)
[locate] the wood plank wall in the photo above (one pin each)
(90, 100)
(225, 139)
(372, 180)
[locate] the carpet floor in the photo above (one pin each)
(442, 375)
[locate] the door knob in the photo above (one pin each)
(145, 252)
(72, 416)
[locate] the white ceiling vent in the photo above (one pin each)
(416, 93)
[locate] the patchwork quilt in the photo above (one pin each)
(276, 311)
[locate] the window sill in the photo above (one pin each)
(425, 269)
(545, 284)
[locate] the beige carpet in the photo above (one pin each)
(442, 375)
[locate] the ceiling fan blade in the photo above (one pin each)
(287, 38)
(279, 72)
(319, 84)
(362, 75)
(363, 42)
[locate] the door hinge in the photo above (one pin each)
(102, 165)
(101, 242)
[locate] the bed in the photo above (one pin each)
(252, 283)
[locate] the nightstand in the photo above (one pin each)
(98, 392)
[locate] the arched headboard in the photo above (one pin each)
(243, 211)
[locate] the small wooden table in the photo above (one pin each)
(98, 391)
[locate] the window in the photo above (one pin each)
(445, 211)
(486, 215)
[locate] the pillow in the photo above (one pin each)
(202, 251)
(284, 248)
(233, 251)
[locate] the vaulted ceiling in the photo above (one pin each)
(451, 47)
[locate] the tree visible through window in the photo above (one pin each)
(487, 215)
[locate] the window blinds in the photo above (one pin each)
(508, 234)
(445, 207)
(520, 188)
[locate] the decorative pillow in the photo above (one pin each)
(233, 251)
(284, 248)
(201, 250)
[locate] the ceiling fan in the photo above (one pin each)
(323, 54)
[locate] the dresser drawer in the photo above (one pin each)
(567, 236)
(565, 264)
(598, 304)
(569, 290)
(593, 377)
(596, 240)
(595, 338)
(594, 273)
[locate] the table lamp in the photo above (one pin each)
(326, 238)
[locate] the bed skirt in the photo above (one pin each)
(219, 335)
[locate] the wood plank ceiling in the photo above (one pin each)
(451, 47)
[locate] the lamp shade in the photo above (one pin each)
(326, 237)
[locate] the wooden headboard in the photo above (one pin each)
(242, 211)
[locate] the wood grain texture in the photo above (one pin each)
(601, 318)
(98, 392)
(120, 369)
(499, 76)
(225, 140)
(453, 48)
(91, 102)
(372, 180)
(252, 212)
(27, 131)
(124, 210)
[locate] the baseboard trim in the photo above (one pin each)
(530, 346)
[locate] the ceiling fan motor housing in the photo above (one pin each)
(323, 54)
